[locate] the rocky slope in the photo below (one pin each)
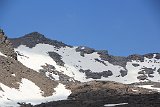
(6, 47)
(106, 94)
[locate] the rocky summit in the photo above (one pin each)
(37, 71)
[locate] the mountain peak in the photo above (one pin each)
(34, 38)
(34, 35)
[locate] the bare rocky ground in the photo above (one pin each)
(133, 101)
(99, 93)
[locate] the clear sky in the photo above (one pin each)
(122, 27)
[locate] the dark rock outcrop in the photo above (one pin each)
(123, 72)
(57, 58)
(84, 50)
(136, 57)
(146, 71)
(34, 38)
(100, 61)
(135, 65)
(150, 55)
(157, 56)
(158, 70)
(115, 60)
(6, 46)
(142, 77)
(96, 75)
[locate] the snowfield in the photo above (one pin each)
(28, 92)
(37, 56)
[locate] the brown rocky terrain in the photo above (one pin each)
(6, 47)
(102, 89)
(99, 93)
(12, 71)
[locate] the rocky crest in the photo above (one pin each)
(6, 46)
(31, 39)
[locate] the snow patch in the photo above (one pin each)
(30, 93)
(134, 90)
(150, 87)
(112, 105)
(13, 75)
(2, 54)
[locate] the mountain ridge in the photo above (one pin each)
(33, 39)
(37, 35)
(57, 71)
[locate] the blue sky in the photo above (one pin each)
(122, 27)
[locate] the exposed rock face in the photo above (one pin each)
(115, 60)
(135, 65)
(31, 39)
(2, 36)
(146, 71)
(84, 50)
(100, 61)
(6, 47)
(142, 77)
(150, 55)
(62, 78)
(101, 90)
(157, 56)
(57, 58)
(158, 70)
(123, 72)
(96, 75)
(136, 57)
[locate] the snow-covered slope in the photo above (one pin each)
(37, 56)
(83, 63)
(28, 92)
(19, 84)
